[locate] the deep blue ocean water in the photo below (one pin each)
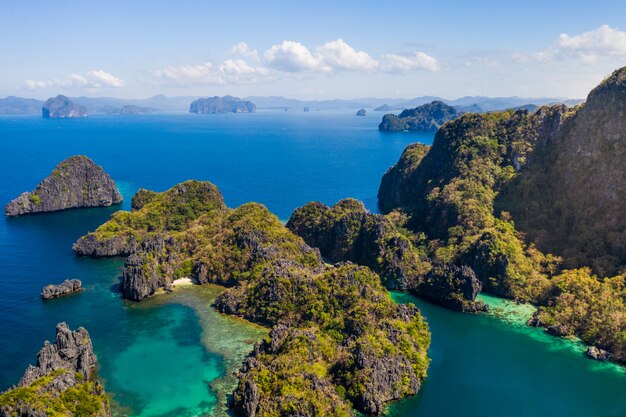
(165, 357)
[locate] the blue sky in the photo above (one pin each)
(321, 49)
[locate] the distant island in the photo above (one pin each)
(424, 118)
(132, 109)
(361, 112)
(217, 105)
(384, 107)
(306, 109)
(61, 107)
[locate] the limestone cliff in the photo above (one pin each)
(76, 182)
(61, 107)
(63, 381)
(226, 104)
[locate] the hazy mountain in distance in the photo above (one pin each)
(161, 103)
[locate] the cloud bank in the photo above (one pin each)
(291, 57)
(92, 80)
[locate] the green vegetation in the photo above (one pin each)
(85, 399)
(35, 199)
(457, 194)
(338, 340)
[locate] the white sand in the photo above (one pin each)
(182, 282)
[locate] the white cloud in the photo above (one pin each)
(231, 71)
(338, 55)
(242, 49)
(589, 47)
(292, 56)
(407, 63)
(604, 42)
(92, 80)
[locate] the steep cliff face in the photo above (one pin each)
(61, 107)
(62, 381)
(226, 104)
(571, 197)
(496, 187)
(76, 182)
(425, 118)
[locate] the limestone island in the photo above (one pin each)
(424, 118)
(63, 383)
(67, 287)
(131, 109)
(361, 112)
(384, 107)
(61, 107)
(337, 338)
(217, 105)
(76, 182)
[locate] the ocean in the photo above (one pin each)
(173, 355)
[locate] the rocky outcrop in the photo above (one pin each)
(91, 245)
(453, 287)
(424, 118)
(67, 287)
(348, 232)
(67, 364)
(76, 182)
(598, 354)
(61, 107)
(361, 112)
(226, 104)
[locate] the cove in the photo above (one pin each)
(171, 355)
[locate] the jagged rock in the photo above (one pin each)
(71, 350)
(226, 104)
(454, 287)
(141, 198)
(145, 270)
(90, 245)
(61, 107)
(598, 354)
(361, 112)
(67, 363)
(69, 286)
(76, 182)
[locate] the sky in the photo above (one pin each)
(309, 50)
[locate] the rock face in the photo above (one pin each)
(348, 232)
(361, 112)
(67, 287)
(62, 380)
(76, 182)
(570, 198)
(226, 104)
(61, 107)
(425, 118)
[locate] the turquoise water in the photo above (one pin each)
(173, 355)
